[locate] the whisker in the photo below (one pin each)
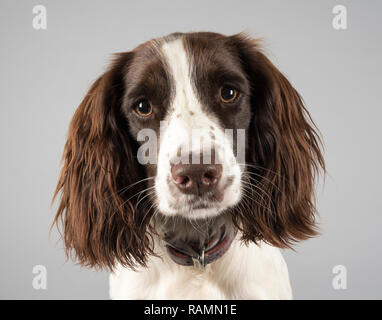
(263, 192)
(264, 204)
(148, 211)
(126, 201)
(140, 200)
(256, 166)
(249, 173)
(124, 189)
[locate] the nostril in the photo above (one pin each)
(185, 180)
(211, 176)
(208, 178)
(182, 180)
(195, 178)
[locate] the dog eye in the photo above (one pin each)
(144, 108)
(228, 94)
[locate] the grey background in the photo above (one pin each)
(45, 74)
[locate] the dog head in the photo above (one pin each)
(192, 125)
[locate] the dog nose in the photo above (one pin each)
(196, 178)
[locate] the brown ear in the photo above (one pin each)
(100, 226)
(284, 155)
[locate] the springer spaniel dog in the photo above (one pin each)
(170, 217)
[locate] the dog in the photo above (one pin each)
(187, 221)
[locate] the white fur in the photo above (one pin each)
(185, 119)
(244, 272)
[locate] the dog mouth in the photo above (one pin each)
(207, 201)
(188, 245)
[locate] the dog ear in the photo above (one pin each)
(99, 223)
(284, 154)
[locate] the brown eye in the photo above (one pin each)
(228, 94)
(144, 108)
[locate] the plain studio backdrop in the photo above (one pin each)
(46, 73)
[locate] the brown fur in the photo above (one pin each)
(98, 183)
(100, 224)
(284, 155)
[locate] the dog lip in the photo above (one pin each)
(207, 198)
(205, 202)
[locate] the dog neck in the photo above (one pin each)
(196, 242)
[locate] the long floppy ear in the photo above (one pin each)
(99, 224)
(284, 154)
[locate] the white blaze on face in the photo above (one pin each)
(186, 118)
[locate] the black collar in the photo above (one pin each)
(188, 253)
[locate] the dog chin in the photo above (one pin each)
(204, 212)
(200, 210)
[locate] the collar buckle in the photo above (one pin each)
(199, 262)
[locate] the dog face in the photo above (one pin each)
(204, 91)
(229, 134)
